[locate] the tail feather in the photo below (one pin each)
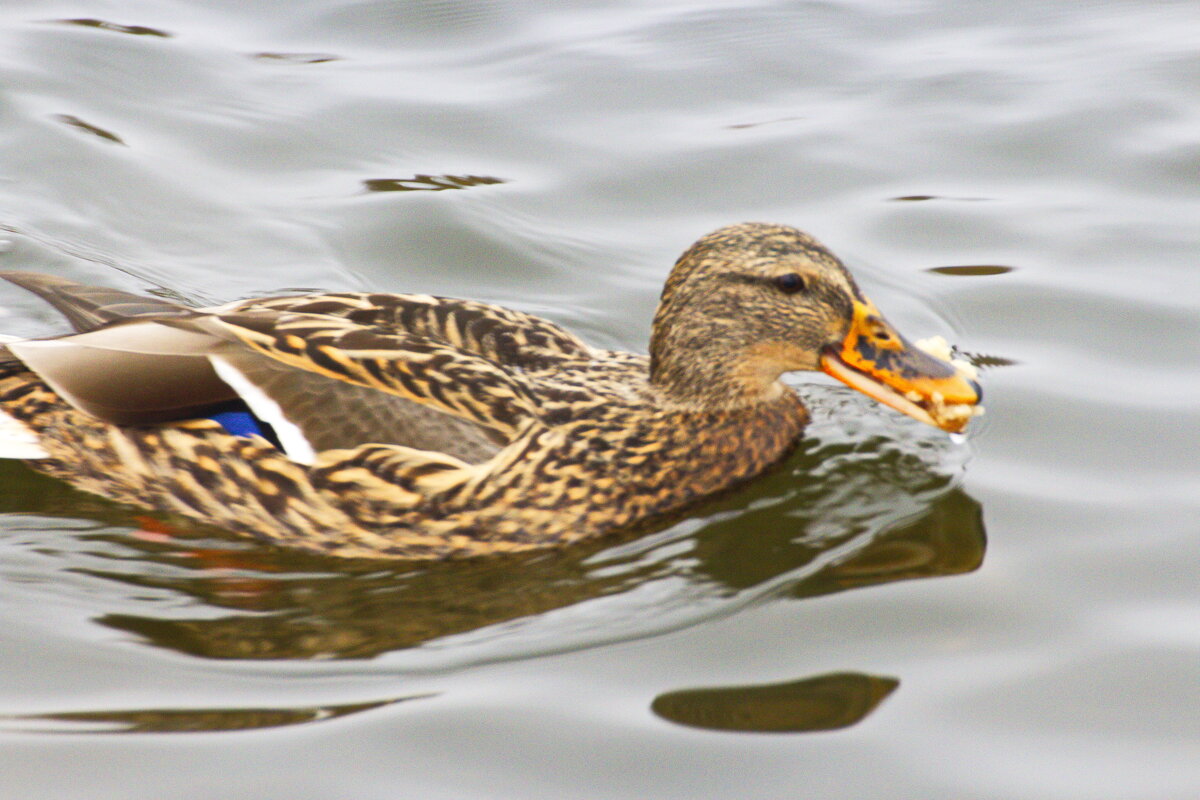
(90, 307)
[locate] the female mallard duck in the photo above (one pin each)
(412, 426)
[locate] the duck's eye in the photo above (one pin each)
(789, 283)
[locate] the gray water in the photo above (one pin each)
(891, 615)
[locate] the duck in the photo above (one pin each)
(408, 426)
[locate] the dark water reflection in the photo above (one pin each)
(972, 270)
(429, 183)
(87, 127)
(820, 703)
(298, 58)
(186, 720)
(115, 27)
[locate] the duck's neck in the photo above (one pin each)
(707, 369)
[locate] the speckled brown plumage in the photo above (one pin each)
(546, 440)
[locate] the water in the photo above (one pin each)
(1016, 616)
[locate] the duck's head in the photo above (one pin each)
(749, 302)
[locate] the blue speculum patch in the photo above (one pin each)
(239, 423)
(237, 418)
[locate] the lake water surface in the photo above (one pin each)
(890, 615)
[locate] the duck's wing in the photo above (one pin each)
(324, 380)
(455, 390)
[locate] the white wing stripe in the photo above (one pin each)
(295, 445)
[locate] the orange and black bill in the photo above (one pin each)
(875, 359)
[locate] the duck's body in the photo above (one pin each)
(417, 427)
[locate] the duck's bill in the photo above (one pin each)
(877, 361)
